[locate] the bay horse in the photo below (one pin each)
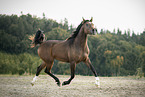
(72, 50)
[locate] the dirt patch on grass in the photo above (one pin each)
(81, 86)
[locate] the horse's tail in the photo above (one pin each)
(38, 38)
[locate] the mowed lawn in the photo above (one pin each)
(81, 86)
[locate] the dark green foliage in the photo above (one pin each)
(112, 54)
(21, 72)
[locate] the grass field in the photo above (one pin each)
(81, 86)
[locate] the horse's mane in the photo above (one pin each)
(75, 33)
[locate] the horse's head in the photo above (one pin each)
(88, 27)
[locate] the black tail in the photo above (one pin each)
(39, 38)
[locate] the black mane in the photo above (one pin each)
(75, 33)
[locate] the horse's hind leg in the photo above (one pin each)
(48, 71)
(39, 68)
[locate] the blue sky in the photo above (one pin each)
(107, 14)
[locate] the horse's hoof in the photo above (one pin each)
(97, 83)
(98, 86)
(32, 84)
(65, 83)
(58, 83)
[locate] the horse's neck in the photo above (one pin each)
(81, 39)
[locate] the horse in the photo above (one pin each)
(72, 50)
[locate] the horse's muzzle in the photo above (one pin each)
(94, 31)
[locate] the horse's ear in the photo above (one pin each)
(91, 19)
(83, 19)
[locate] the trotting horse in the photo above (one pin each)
(72, 50)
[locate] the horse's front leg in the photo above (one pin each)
(88, 63)
(72, 67)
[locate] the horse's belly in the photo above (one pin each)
(62, 59)
(60, 55)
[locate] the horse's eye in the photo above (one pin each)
(87, 25)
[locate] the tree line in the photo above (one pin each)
(114, 53)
